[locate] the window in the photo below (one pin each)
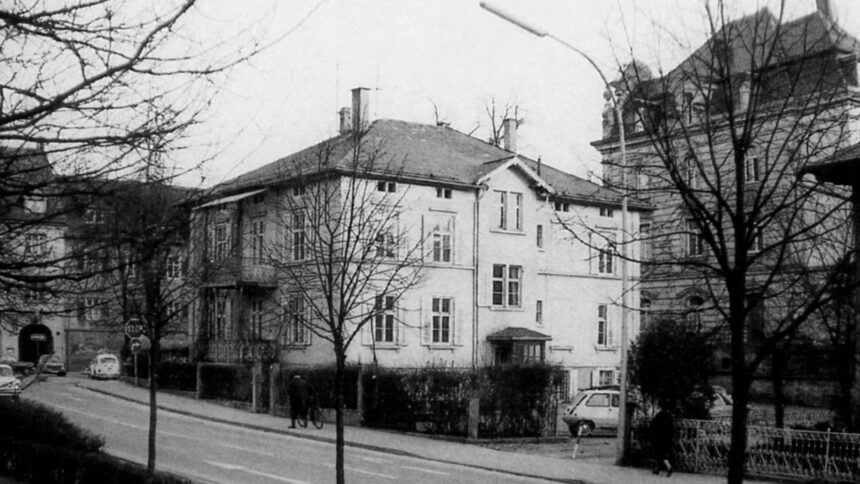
(177, 312)
(507, 285)
(561, 206)
(94, 216)
(297, 332)
(646, 244)
(383, 186)
(604, 258)
(607, 212)
(222, 242)
(296, 237)
(606, 378)
(255, 318)
(258, 237)
(383, 319)
(35, 244)
(93, 308)
(690, 172)
(753, 168)
(644, 314)
(386, 246)
(92, 262)
(441, 239)
(443, 192)
(442, 319)
(695, 241)
(539, 312)
(35, 204)
(220, 317)
(510, 206)
(174, 266)
(539, 236)
(299, 190)
(598, 400)
(694, 311)
(757, 241)
(605, 338)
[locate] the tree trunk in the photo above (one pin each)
(153, 407)
(340, 356)
(740, 383)
(777, 376)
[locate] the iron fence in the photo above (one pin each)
(703, 447)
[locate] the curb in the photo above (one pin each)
(357, 445)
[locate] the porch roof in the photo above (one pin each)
(514, 333)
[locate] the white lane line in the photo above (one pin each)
(362, 471)
(376, 460)
(98, 417)
(71, 397)
(424, 469)
(246, 449)
(234, 467)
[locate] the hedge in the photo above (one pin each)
(177, 376)
(322, 380)
(38, 444)
(516, 401)
(227, 382)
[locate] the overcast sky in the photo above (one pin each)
(414, 54)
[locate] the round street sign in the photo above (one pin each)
(139, 344)
(134, 328)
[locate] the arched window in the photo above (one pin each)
(644, 313)
(694, 310)
(690, 171)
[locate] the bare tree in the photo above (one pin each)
(86, 88)
(497, 114)
(349, 253)
(717, 145)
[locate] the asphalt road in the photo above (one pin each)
(219, 453)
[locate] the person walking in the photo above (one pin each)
(662, 439)
(298, 394)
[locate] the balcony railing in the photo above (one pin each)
(239, 270)
(241, 351)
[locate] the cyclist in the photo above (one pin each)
(298, 391)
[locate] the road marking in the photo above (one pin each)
(99, 417)
(376, 460)
(246, 449)
(362, 471)
(423, 469)
(234, 467)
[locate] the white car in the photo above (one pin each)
(10, 386)
(594, 408)
(103, 366)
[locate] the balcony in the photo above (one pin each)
(238, 271)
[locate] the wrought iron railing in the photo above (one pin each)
(235, 351)
(703, 447)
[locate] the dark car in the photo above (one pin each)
(52, 364)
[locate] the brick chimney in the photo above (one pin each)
(345, 120)
(360, 108)
(510, 134)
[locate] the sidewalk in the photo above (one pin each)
(554, 469)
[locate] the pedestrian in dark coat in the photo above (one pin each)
(298, 393)
(662, 437)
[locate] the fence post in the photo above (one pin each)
(827, 453)
(273, 386)
(474, 416)
(199, 381)
(359, 395)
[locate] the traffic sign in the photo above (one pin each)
(135, 345)
(134, 328)
(38, 337)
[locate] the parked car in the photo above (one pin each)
(103, 366)
(10, 385)
(20, 368)
(594, 408)
(53, 364)
(597, 408)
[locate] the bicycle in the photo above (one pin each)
(315, 413)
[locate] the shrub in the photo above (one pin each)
(322, 380)
(228, 382)
(178, 376)
(34, 422)
(516, 401)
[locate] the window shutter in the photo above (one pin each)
(426, 321)
(428, 240)
(457, 322)
(367, 328)
(399, 325)
(81, 309)
(456, 258)
(595, 377)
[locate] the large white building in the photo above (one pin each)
(521, 262)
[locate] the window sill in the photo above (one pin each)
(611, 349)
(507, 231)
(517, 309)
(440, 346)
(386, 346)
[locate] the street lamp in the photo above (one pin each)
(622, 442)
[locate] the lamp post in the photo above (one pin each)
(622, 445)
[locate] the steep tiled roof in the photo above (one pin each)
(419, 152)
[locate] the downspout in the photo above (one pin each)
(476, 307)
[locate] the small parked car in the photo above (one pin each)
(594, 408)
(52, 364)
(20, 368)
(104, 366)
(10, 385)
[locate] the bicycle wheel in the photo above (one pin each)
(316, 417)
(303, 419)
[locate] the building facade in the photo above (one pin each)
(518, 260)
